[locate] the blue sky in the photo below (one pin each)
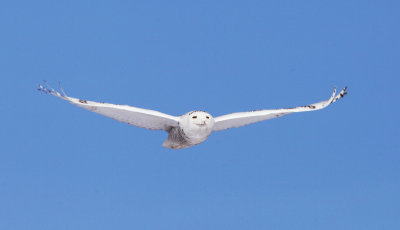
(65, 168)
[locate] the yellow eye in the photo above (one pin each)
(194, 117)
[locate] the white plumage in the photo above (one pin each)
(191, 128)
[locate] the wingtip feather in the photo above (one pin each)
(49, 90)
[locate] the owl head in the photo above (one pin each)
(198, 120)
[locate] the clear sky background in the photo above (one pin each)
(62, 167)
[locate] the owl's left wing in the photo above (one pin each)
(139, 117)
(235, 120)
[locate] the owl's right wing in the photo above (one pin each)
(235, 120)
(143, 118)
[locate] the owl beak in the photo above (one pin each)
(203, 123)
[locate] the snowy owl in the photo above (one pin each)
(191, 128)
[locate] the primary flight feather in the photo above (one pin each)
(191, 128)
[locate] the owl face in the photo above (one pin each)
(199, 120)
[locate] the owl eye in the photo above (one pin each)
(194, 117)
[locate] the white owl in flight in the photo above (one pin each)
(191, 128)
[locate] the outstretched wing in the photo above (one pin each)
(143, 118)
(244, 118)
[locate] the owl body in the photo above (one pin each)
(194, 128)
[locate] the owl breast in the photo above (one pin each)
(195, 134)
(179, 138)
